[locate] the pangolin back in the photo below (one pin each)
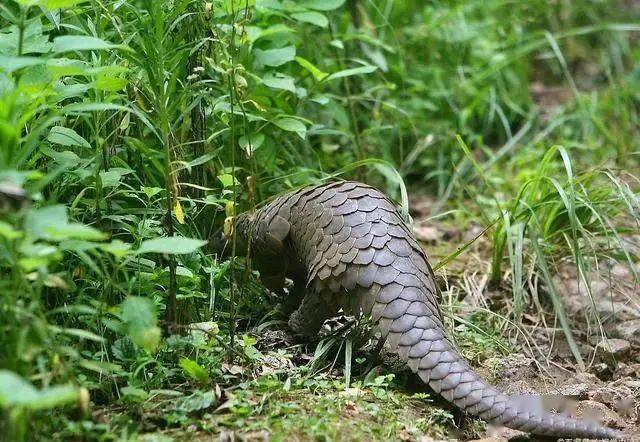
(357, 251)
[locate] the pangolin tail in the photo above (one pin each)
(418, 337)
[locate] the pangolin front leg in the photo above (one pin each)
(307, 320)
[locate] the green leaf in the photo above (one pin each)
(113, 177)
(199, 400)
(367, 69)
(74, 231)
(110, 84)
(317, 73)
(59, 4)
(292, 125)
(64, 157)
(136, 395)
(7, 231)
(275, 57)
(51, 4)
(9, 63)
(227, 180)
(82, 334)
(140, 321)
(52, 223)
(315, 18)
(171, 245)
(194, 370)
(66, 43)
(63, 67)
(235, 6)
(66, 137)
(250, 144)
(38, 221)
(150, 192)
(278, 32)
(117, 248)
(16, 392)
(279, 81)
(322, 5)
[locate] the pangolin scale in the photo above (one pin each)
(345, 246)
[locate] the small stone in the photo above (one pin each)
(592, 410)
(622, 271)
(615, 348)
(615, 310)
(426, 233)
(587, 378)
(630, 370)
(498, 433)
(629, 330)
(578, 391)
(604, 395)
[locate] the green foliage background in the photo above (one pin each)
(129, 130)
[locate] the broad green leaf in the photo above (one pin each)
(66, 137)
(317, 73)
(53, 397)
(279, 81)
(315, 18)
(194, 370)
(75, 231)
(250, 143)
(275, 57)
(183, 271)
(322, 5)
(66, 43)
(140, 319)
(292, 125)
(38, 221)
(110, 84)
(124, 349)
(14, 389)
(16, 392)
(235, 6)
(7, 231)
(113, 176)
(64, 157)
(34, 41)
(277, 32)
(113, 70)
(150, 192)
(227, 180)
(59, 4)
(35, 80)
(134, 394)
(61, 67)
(9, 63)
(172, 245)
(199, 400)
(353, 71)
(117, 248)
(51, 4)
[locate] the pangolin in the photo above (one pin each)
(346, 246)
